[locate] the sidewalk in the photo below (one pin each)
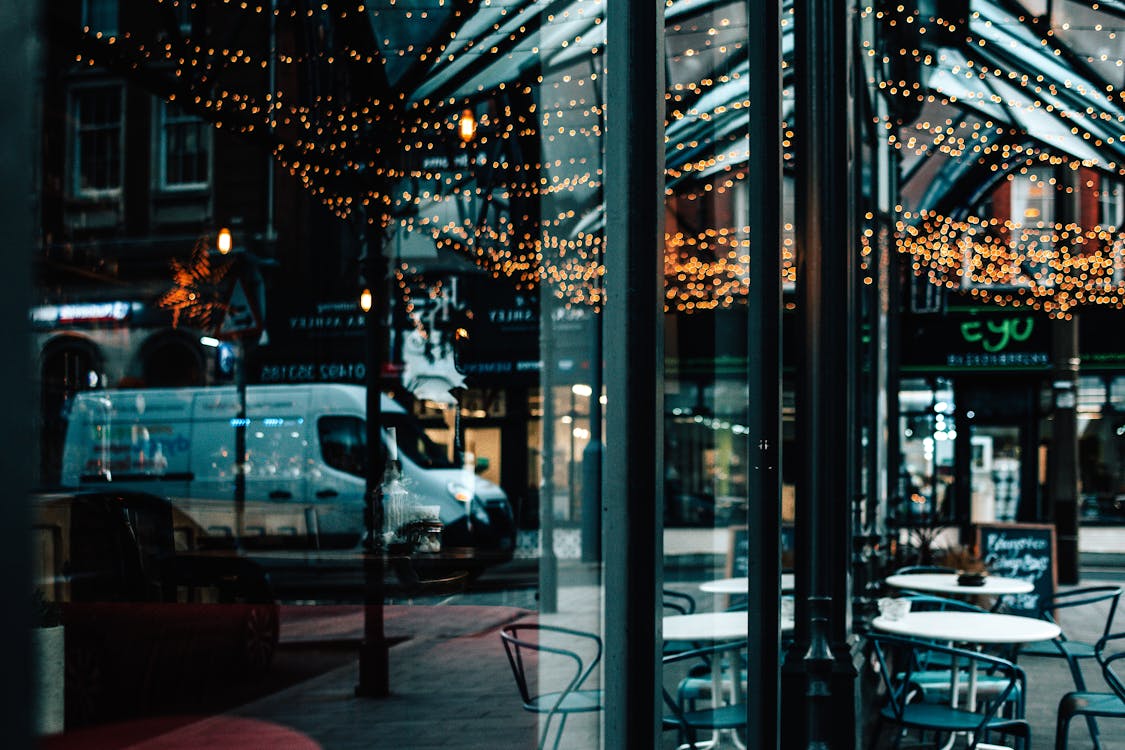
(452, 688)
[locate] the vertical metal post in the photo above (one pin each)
(764, 376)
(21, 39)
(374, 661)
(632, 485)
(1062, 477)
(592, 456)
(240, 443)
(818, 688)
(548, 563)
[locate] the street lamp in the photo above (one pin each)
(467, 126)
(224, 242)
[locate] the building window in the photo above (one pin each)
(1033, 203)
(100, 16)
(97, 140)
(185, 148)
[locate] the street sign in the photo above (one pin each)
(240, 319)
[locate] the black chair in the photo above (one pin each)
(904, 709)
(678, 602)
(572, 698)
(1062, 647)
(1091, 705)
(684, 715)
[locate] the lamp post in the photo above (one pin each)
(374, 661)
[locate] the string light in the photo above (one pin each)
(401, 153)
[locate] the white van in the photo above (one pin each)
(305, 447)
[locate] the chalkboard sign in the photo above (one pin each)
(738, 552)
(1021, 550)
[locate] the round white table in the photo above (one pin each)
(735, 586)
(946, 583)
(713, 627)
(969, 627)
(975, 628)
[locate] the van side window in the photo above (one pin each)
(343, 443)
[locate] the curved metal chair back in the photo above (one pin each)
(718, 717)
(900, 688)
(921, 602)
(678, 602)
(1092, 705)
(1081, 598)
(572, 697)
(916, 569)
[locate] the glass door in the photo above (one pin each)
(995, 469)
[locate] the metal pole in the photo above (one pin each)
(374, 661)
(633, 481)
(548, 563)
(21, 39)
(1063, 458)
(592, 456)
(818, 681)
(240, 443)
(764, 375)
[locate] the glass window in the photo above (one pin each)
(100, 16)
(185, 148)
(343, 443)
(97, 139)
(416, 444)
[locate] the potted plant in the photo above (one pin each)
(48, 655)
(971, 570)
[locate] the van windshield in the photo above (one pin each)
(343, 443)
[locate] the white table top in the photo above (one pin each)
(969, 627)
(741, 585)
(946, 583)
(711, 626)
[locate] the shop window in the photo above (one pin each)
(97, 147)
(184, 148)
(928, 433)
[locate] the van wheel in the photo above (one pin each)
(259, 638)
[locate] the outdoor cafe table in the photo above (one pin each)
(974, 628)
(713, 627)
(733, 586)
(946, 583)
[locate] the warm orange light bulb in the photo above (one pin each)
(467, 126)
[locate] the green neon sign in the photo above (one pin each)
(996, 335)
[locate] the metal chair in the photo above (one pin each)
(572, 698)
(1074, 652)
(916, 569)
(1063, 647)
(1093, 705)
(905, 710)
(690, 720)
(678, 602)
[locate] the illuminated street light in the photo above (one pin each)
(224, 242)
(365, 300)
(467, 126)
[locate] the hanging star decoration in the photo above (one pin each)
(199, 294)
